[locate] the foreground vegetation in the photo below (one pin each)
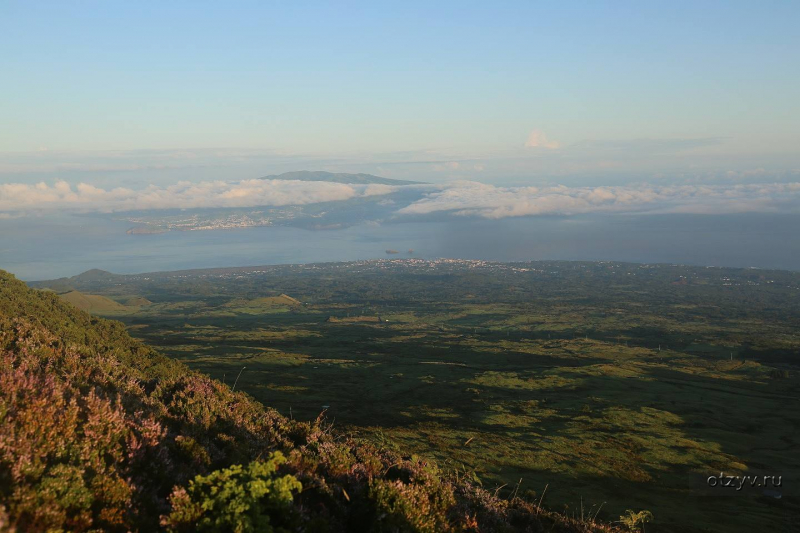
(98, 432)
(595, 388)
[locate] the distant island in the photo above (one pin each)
(336, 177)
(335, 214)
(144, 230)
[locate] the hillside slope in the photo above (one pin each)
(92, 303)
(99, 432)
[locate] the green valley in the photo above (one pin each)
(592, 387)
(99, 432)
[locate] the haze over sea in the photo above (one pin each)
(29, 245)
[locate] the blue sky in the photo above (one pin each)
(445, 90)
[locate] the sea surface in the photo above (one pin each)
(51, 247)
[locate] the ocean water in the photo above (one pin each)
(47, 247)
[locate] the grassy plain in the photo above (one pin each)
(601, 386)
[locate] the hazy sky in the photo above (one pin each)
(517, 93)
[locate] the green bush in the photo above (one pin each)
(239, 499)
(635, 521)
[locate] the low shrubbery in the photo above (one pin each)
(238, 499)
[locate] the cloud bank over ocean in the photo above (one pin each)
(15, 197)
(458, 198)
(487, 201)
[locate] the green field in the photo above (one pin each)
(594, 386)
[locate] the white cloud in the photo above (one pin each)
(464, 198)
(537, 139)
(487, 201)
(446, 166)
(16, 197)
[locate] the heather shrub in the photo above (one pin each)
(413, 498)
(68, 456)
(239, 499)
